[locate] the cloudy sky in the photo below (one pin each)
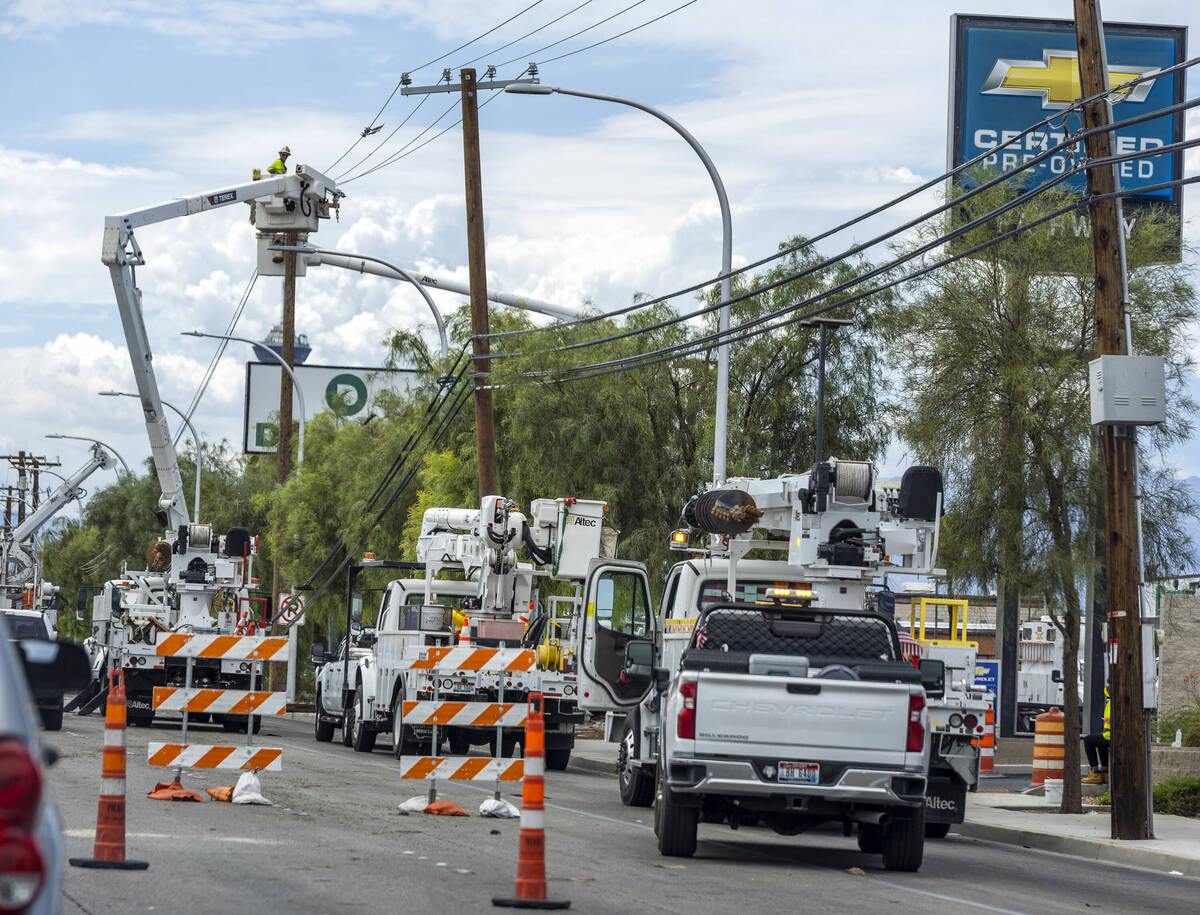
(811, 112)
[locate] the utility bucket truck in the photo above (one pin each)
(197, 580)
(502, 602)
(774, 689)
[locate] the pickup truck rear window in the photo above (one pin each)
(25, 627)
(815, 636)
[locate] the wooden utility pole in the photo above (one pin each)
(1127, 770)
(283, 447)
(485, 430)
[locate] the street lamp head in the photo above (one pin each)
(529, 89)
(192, 333)
(109, 393)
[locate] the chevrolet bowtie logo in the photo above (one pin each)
(1055, 79)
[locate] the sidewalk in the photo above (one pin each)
(1027, 821)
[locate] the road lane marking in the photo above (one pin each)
(237, 840)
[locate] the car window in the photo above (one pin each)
(26, 627)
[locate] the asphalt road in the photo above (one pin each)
(335, 842)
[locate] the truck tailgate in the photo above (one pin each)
(802, 718)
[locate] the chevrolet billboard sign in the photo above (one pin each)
(1010, 74)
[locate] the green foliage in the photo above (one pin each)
(1178, 796)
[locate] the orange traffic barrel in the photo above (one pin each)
(531, 851)
(1048, 746)
(109, 850)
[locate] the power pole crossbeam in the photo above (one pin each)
(1128, 770)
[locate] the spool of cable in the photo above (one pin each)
(722, 511)
(853, 480)
(158, 556)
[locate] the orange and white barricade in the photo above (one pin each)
(987, 743)
(1048, 746)
(187, 699)
(438, 712)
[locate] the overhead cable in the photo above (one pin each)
(883, 207)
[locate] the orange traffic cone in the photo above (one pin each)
(530, 892)
(987, 744)
(109, 850)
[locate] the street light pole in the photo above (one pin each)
(721, 418)
(84, 438)
(195, 437)
(287, 368)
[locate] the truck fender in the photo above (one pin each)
(365, 683)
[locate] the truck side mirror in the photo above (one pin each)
(1056, 676)
(55, 665)
(933, 677)
(115, 600)
(81, 597)
(356, 607)
(639, 661)
(317, 655)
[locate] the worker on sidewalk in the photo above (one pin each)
(1096, 747)
(279, 166)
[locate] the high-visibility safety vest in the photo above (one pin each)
(277, 168)
(1108, 719)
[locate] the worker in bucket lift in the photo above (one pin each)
(1096, 746)
(279, 166)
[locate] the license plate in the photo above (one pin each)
(801, 773)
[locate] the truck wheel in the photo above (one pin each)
(362, 738)
(675, 826)
(402, 737)
(347, 722)
(870, 838)
(460, 741)
(937, 830)
(637, 788)
(322, 729)
(557, 759)
(52, 717)
(904, 843)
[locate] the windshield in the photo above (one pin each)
(26, 627)
(748, 591)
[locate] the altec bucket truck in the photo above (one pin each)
(198, 580)
(20, 562)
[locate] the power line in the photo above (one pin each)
(701, 345)
(850, 223)
(1067, 142)
(216, 357)
(555, 44)
(620, 34)
(408, 117)
(427, 63)
(526, 35)
(731, 335)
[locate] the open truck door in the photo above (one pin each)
(617, 612)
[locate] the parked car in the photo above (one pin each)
(31, 624)
(32, 852)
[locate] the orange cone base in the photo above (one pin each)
(530, 903)
(110, 865)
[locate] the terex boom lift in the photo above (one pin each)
(198, 581)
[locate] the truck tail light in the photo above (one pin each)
(686, 724)
(22, 870)
(916, 731)
(20, 785)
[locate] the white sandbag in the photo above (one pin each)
(414, 804)
(248, 790)
(500, 809)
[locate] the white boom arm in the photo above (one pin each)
(308, 189)
(14, 552)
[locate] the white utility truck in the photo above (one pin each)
(1040, 670)
(197, 580)
(705, 741)
(567, 543)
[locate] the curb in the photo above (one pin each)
(598, 766)
(1130, 854)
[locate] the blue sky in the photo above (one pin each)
(812, 112)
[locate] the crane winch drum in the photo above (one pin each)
(722, 511)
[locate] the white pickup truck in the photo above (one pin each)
(792, 717)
